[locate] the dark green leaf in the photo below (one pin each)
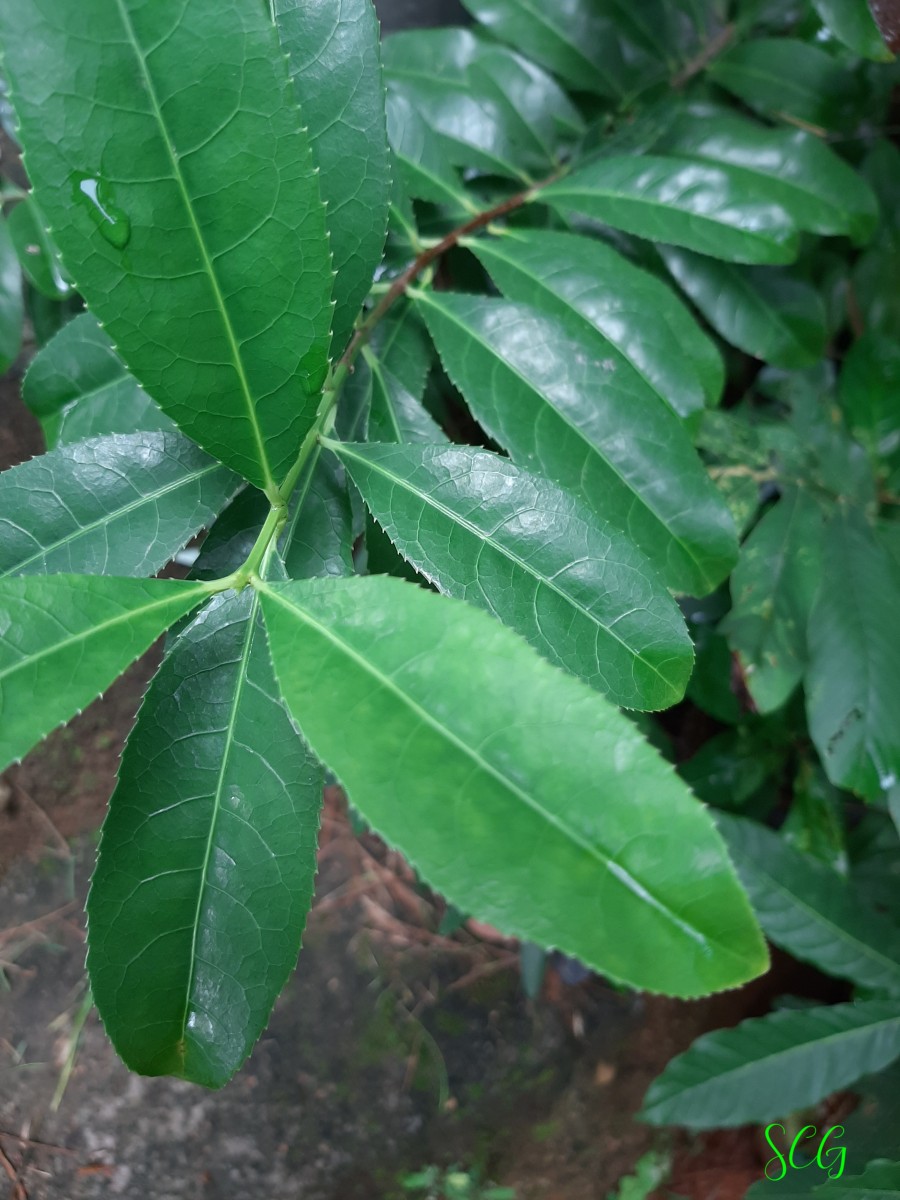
(853, 681)
(558, 408)
(769, 1066)
(65, 638)
(773, 588)
(11, 306)
(879, 1181)
(172, 167)
(399, 359)
(336, 68)
(119, 505)
(768, 313)
(318, 538)
(423, 164)
(208, 855)
(38, 256)
(808, 910)
(555, 838)
(688, 202)
(536, 557)
(851, 21)
(586, 281)
(870, 393)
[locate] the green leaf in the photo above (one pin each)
(318, 538)
(421, 162)
(119, 505)
(520, 793)
(65, 638)
(208, 855)
(489, 107)
(536, 557)
(38, 256)
(336, 68)
(586, 47)
(559, 409)
(853, 681)
(791, 79)
(770, 1066)
(586, 281)
(808, 910)
(79, 388)
(851, 23)
(688, 202)
(12, 310)
(399, 358)
(879, 1181)
(869, 393)
(171, 164)
(768, 313)
(773, 588)
(799, 171)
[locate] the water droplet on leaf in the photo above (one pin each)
(113, 224)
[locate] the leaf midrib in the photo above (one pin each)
(201, 245)
(633, 885)
(489, 540)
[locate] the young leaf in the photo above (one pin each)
(207, 857)
(536, 557)
(768, 313)
(798, 170)
(770, 1066)
(119, 505)
(336, 68)
(78, 387)
(516, 790)
(586, 281)
(65, 638)
(546, 397)
(807, 909)
(11, 307)
(169, 158)
(853, 681)
(685, 201)
(773, 588)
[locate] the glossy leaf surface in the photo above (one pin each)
(769, 1066)
(687, 202)
(79, 388)
(335, 63)
(399, 358)
(768, 313)
(853, 681)
(65, 638)
(207, 857)
(558, 409)
(555, 839)
(169, 160)
(584, 280)
(773, 588)
(120, 505)
(808, 910)
(851, 21)
(38, 256)
(536, 557)
(11, 307)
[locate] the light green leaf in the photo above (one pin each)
(869, 393)
(587, 47)
(768, 313)
(78, 387)
(559, 409)
(773, 588)
(37, 254)
(798, 170)
(537, 558)
(119, 505)
(336, 68)
(807, 909)
(65, 638)
(208, 855)
(169, 158)
(421, 162)
(11, 306)
(584, 280)
(791, 79)
(688, 202)
(519, 792)
(851, 23)
(771, 1066)
(853, 681)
